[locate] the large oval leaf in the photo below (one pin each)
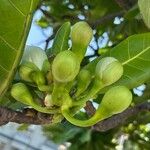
(15, 20)
(134, 54)
(144, 6)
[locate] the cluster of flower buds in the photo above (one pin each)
(61, 87)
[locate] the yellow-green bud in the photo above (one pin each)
(65, 66)
(20, 92)
(81, 35)
(25, 71)
(115, 100)
(38, 77)
(109, 70)
(83, 80)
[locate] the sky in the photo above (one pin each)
(37, 36)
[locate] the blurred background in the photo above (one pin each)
(112, 22)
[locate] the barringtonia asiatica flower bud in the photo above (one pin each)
(25, 71)
(81, 35)
(20, 92)
(109, 70)
(83, 80)
(116, 100)
(65, 66)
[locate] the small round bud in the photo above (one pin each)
(48, 100)
(65, 66)
(20, 92)
(84, 75)
(116, 100)
(81, 35)
(38, 77)
(109, 70)
(25, 71)
(83, 80)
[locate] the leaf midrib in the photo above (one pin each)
(63, 39)
(136, 56)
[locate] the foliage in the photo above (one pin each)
(120, 31)
(13, 39)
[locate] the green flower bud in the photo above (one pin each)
(115, 100)
(35, 55)
(81, 35)
(20, 92)
(109, 70)
(49, 77)
(65, 66)
(25, 71)
(46, 66)
(38, 77)
(83, 80)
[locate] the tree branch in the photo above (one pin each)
(31, 116)
(28, 116)
(118, 119)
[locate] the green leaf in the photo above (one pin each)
(16, 17)
(134, 54)
(61, 39)
(144, 6)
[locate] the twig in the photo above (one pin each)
(48, 40)
(90, 110)
(47, 14)
(126, 4)
(106, 18)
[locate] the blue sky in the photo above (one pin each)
(36, 35)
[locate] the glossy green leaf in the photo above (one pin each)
(134, 54)
(61, 39)
(144, 6)
(15, 20)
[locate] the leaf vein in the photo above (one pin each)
(136, 68)
(4, 68)
(129, 50)
(127, 76)
(143, 59)
(16, 8)
(7, 43)
(63, 40)
(136, 56)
